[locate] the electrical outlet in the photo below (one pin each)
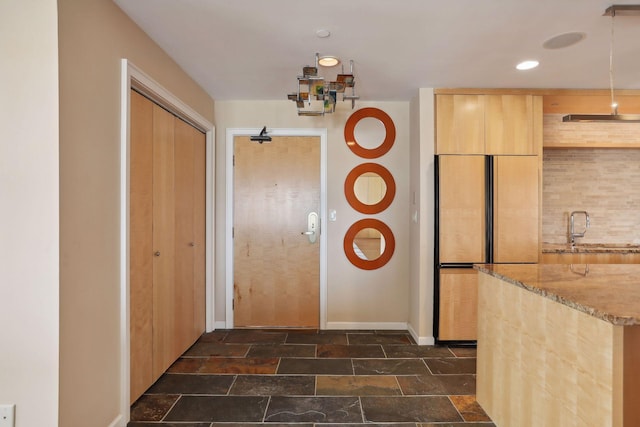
(7, 415)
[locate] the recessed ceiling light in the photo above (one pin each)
(328, 61)
(563, 40)
(323, 33)
(527, 65)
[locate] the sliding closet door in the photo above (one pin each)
(141, 247)
(164, 218)
(199, 230)
(167, 240)
(189, 234)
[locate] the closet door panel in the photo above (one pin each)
(167, 240)
(184, 179)
(187, 293)
(141, 247)
(199, 230)
(164, 304)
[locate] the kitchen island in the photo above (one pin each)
(559, 345)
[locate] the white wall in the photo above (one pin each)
(94, 36)
(422, 215)
(356, 298)
(29, 234)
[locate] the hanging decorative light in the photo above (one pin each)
(621, 10)
(316, 97)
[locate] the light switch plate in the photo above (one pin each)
(7, 415)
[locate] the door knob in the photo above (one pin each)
(192, 244)
(157, 253)
(312, 226)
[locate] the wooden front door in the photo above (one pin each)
(276, 267)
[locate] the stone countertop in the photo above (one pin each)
(610, 292)
(590, 248)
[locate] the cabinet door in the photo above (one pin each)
(461, 209)
(516, 209)
(458, 311)
(460, 124)
(509, 124)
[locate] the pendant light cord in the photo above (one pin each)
(614, 104)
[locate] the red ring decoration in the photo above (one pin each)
(390, 244)
(349, 133)
(350, 194)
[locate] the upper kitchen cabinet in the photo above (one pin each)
(509, 123)
(493, 124)
(460, 124)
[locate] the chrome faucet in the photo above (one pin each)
(572, 232)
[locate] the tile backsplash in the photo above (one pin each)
(603, 182)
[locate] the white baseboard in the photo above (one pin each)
(220, 324)
(367, 326)
(400, 326)
(421, 340)
(118, 422)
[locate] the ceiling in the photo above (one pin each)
(254, 49)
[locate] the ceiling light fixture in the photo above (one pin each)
(315, 96)
(328, 61)
(527, 65)
(622, 10)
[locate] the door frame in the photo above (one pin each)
(229, 264)
(133, 77)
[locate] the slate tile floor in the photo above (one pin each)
(302, 378)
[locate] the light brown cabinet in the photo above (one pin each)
(460, 124)
(494, 124)
(458, 313)
(167, 240)
(462, 224)
(507, 126)
(462, 209)
(509, 123)
(467, 230)
(515, 209)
